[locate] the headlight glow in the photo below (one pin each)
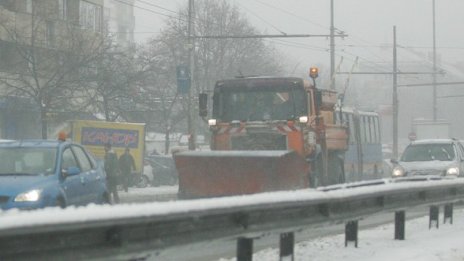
(303, 119)
(30, 196)
(452, 171)
(212, 122)
(398, 172)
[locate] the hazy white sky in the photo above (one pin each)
(369, 24)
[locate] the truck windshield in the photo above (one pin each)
(253, 105)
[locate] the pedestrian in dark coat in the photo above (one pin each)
(126, 165)
(111, 169)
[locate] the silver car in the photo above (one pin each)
(434, 157)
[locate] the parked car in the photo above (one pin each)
(160, 170)
(42, 173)
(433, 157)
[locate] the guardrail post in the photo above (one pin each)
(448, 213)
(434, 214)
(244, 249)
(399, 225)
(287, 242)
(351, 232)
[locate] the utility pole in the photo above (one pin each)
(434, 79)
(332, 46)
(395, 98)
(395, 103)
(191, 50)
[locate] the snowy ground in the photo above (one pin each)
(445, 243)
(149, 194)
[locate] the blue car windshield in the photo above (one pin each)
(428, 152)
(27, 161)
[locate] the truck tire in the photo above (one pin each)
(142, 182)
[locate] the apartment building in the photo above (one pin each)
(120, 18)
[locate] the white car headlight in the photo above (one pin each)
(398, 172)
(30, 196)
(452, 171)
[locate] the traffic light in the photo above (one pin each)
(183, 79)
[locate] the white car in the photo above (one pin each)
(147, 176)
(433, 157)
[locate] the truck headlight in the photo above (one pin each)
(212, 122)
(303, 119)
(30, 196)
(452, 171)
(397, 172)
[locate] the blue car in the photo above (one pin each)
(42, 173)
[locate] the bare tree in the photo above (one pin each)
(112, 82)
(47, 59)
(158, 90)
(214, 58)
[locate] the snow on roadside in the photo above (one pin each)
(149, 194)
(378, 244)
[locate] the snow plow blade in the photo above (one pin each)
(226, 173)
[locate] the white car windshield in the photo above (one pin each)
(428, 152)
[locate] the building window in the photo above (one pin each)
(29, 6)
(90, 16)
(63, 9)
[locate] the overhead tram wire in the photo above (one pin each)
(262, 19)
(276, 28)
(149, 10)
(179, 15)
(371, 64)
(370, 51)
(157, 6)
(325, 27)
(292, 14)
(298, 45)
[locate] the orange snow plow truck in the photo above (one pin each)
(267, 134)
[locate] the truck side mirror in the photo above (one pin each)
(203, 104)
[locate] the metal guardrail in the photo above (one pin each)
(136, 231)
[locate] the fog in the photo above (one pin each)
(369, 26)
